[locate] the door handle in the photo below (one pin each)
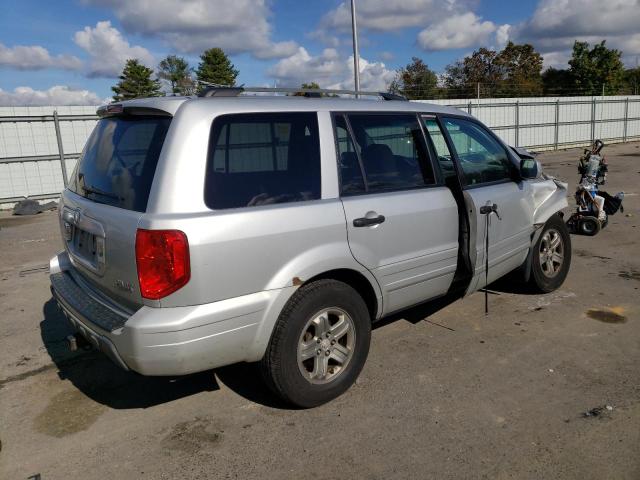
(367, 222)
(488, 209)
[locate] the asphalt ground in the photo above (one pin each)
(546, 386)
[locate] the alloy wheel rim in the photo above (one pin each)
(551, 253)
(326, 345)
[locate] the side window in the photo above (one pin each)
(482, 158)
(392, 151)
(440, 146)
(351, 180)
(261, 159)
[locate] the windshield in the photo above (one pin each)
(119, 161)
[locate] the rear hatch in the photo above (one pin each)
(106, 196)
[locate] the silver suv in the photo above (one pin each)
(201, 232)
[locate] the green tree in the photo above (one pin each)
(515, 70)
(520, 70)
(136, 82)
(215, 67)
(175, 71)
(595, 68)
(415, 80)
(557, 82)
(455, 80)
(632, 81)
(481, 68)
(307, 86)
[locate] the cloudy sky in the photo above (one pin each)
(71, 51)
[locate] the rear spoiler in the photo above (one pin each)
(114, 109)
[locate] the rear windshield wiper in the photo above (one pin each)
(97, 191)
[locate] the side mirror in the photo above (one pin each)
(529, 168)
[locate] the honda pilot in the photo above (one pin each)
(204, 231)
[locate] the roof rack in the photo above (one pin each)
(226, 91)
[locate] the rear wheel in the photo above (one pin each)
(551, 256)
(319, 344)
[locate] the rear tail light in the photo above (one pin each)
(162, 258)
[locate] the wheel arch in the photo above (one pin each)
(363, 282)
(360, 283)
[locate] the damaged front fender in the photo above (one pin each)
(549, 197)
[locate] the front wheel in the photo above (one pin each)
(551, 256)
(319, 344)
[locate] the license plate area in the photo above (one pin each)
(85, 240)
(88, 248)
(84, 245)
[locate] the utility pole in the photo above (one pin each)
(356, 55)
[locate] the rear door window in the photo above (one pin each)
(119, 161)
(351, 179)
(262, 159)
(391, 149)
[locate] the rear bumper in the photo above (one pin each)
(80, 325)
(170, 341)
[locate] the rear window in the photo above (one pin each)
(119, 161)
(262, 159)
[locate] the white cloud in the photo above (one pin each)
(276, 50)
(302, 67)
(569, 18)
(324, 36)
(109, 50)
(192, 26)
(445, 24)
(389, 15)
(555, 59)
(330, 70)
(502, 35)
(35, 57)
(458, 31)
(555, 25)
(56, 95)
(374, 76)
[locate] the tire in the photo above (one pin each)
(548, 270)
(292, 366)
(589, 226)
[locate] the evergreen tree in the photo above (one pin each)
(175, 70)
(215, 67)
(415, 80)
(136, 82)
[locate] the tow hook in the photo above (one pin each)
(77, 341)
